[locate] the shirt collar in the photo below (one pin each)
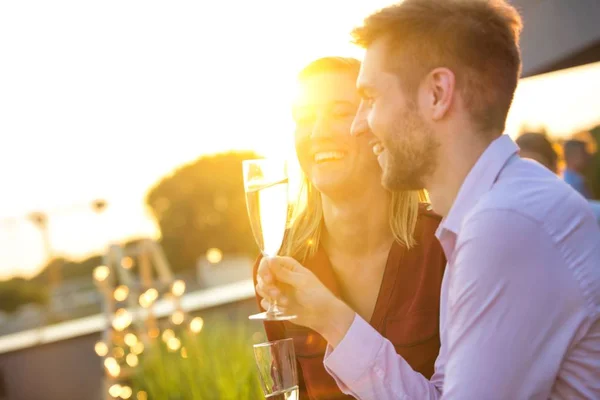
(480, 180)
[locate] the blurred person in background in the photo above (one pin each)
(537, 146)
(373, 248)
(577, 159)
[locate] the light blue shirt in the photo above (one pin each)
(520, 300)
(577, 182)
(595, 206)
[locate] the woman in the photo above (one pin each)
(373, 249)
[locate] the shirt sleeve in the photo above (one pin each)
(511, 307)
(365, 365)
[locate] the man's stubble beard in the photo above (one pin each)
(412, 153)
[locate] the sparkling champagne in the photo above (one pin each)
(268, 212)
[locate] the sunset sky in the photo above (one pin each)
(102, 99)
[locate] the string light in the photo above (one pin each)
(153, 333)
(119, 352)
(196, 324)
(214, 256)
(168, 334)
(138, 348)
(121, 320)
(101, 349)
(131, 340)
(132, 360)
(101, 272)
(126, 392)
(148, 297)
(112, 366)
(127, 262)
(174, 344)
(152, 294)
(115, 390)
(121, 293)
(178, 317)
(178, 288)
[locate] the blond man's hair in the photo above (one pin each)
(477, 39)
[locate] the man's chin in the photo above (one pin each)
(395, 181)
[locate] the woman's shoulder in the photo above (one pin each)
(426, 213)
(428, 248)
(427, 220)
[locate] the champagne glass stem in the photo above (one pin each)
(273, 308)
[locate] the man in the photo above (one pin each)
(577, 159)
(537, 146)
(520, 298)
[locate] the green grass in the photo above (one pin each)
(219, 365)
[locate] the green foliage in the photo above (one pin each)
(69, 269)
(72, 269)
(18, 292)
(219, 365)
(202, 205)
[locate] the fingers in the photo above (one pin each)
(260, 287)
(264, 304)
(263, 271)
(288, 270)
(264, 280)
(282, 303)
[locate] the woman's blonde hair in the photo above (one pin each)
(304, 235)
(306, 219)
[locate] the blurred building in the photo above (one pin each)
(558, 34)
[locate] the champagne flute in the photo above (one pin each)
(276, 364)
(267, 201)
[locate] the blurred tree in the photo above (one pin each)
(71, 269)
(201, 206)
(18, 292)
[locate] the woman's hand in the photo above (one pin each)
(299, 292)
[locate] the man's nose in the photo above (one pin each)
(359, 124)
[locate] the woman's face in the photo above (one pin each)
(335, 162)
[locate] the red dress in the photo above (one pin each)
(406, 311)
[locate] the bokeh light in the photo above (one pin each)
(214, 255)
(101, 349)
(196, 324)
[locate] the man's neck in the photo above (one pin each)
(456, 159)
(357, 225)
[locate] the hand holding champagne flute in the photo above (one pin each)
(313, 304)
(266, 187)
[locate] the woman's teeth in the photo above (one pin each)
(378, 149)
(328, 156)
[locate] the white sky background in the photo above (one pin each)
(99, 99)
